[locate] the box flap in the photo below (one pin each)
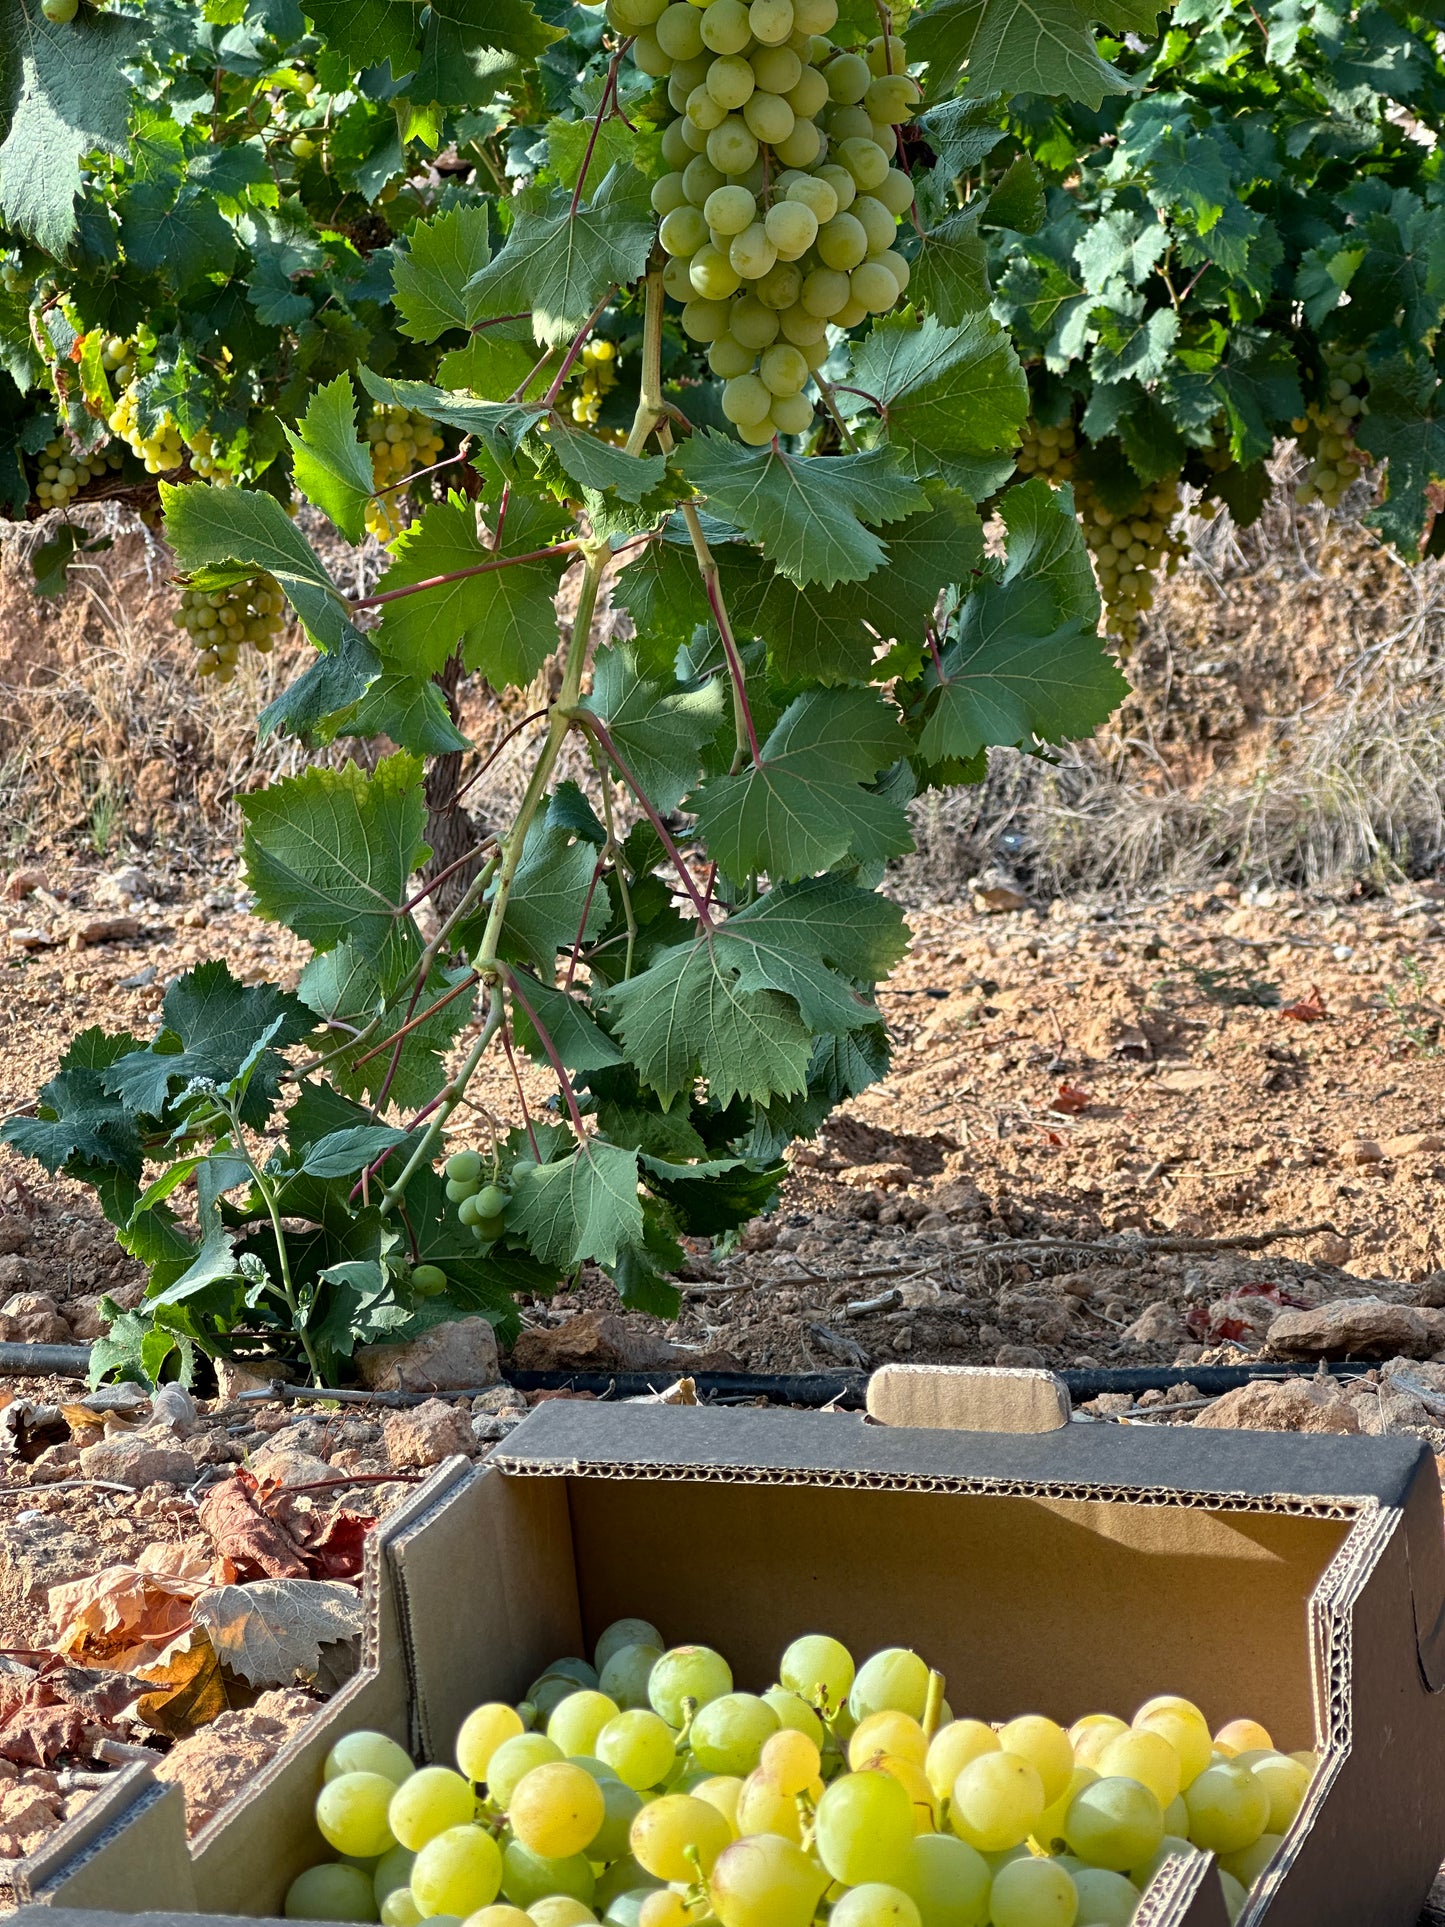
(968, 1398)
(73, 1868)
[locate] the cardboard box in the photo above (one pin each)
(1058, 1568)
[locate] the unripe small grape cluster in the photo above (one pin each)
(481, 1202)
(1130, 548)
(63, 474)
(598, 364)
(1048, 451)
(162, 450)
(401, 443)
(781, 211)
(221, 621)
(1326, 432)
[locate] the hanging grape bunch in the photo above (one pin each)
(1048, 451)
(401, 443)
(221, 621)
(598, 364)
(1326, 432)
(480, 1201)
(62, 473)
(782, 206)
(1129, 548)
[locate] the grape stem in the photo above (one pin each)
(599, 729)
(521, 1094)
(544, 1038)
(933, 1704)
(597, 868)
(572, 353)
(459, 575)
(609, 90)
(495, 751)
(443, 1104)
(832, 407)
(441, 877)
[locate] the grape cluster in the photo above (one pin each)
(480, 1201)
(644, 1791)
(1048, 451)
(781, 210)
(220, 621)
(1327, 432)
(1129, 548)
(401, 443)
(161, 450)
(598, 362)
(64, 474)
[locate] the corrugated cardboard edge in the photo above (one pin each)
(152, 1812)
(969, 1398)
(420, 1740)
(1185, 1892)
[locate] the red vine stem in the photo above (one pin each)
(597, 868)
(599, 729)
(442, 875)
(413, 1023)
(460, 575)
(609, 89)
(572, 353)
(544, 1038)
(521, 1094)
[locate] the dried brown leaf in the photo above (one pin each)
(192, 1690)
(270, 1631)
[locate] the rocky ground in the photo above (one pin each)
(1189, 1132)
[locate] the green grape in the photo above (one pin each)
(330, 1892)
(560, 1910)
(802, 146)
(715, 276)
(730, 209)
(1228, 1809)
(1105, 1899)
(842, 242)
(1234, 1895)
(428, 1281)
(703, 320)
(778, 69)
(1284, 1781)
(886, 55)
(808, 95)
(500, 1914)
(1147, 1757)
(783, 370)
(947, 1880)
(456, 1872)
(866, 161)
(393, 1870)
(814, 193)
(352, 1814)
(728, 1733)
(688, 1673)
(879, 225)
(1115, 1824)
(745, 402)
(700, 179)
(818, 1669)
(771, 21)
(621, 1805)
(892, 97)
(873, 287)
(678, 31)
(864, 1828)
(781, 287)
(952, 1748)
(366, 1752)
(875, 1904)
(794, 1713)
(791, 227)
(556, 1810)
(639, 1746)
(670, 1831)
(432, 1800)
(725, 27)
(815, 16)
(1045, 1746)
(512, 1758)
(752, 253)
(732, 147)
(896, 265)
(730, 82)
(763, 1807)
(848, 78)
(623, 1633)
(399, 1909)
(895, 191)
(528, 1877)
(578, 1719)
(826, 292)
(997, 1801)
(676, 149)
(727, 358)
(801, 328)
(894, 1680)
(704, 110)
(1033, 1893)
(59, 11)
(757, 434)
(765, 1882)
(752, 324)
(464, 1167)
(1049, 1833)
(771, 118)
(683, 231)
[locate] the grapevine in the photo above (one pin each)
(220, 621)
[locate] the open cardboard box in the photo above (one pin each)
(1042, 1566)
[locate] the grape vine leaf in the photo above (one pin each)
(716, 1195)
(235, 531)
(950, 269)
(343, 987)
(182, 235)
(558, 264)
(411, 712)
(1024, 662)
(803, 805)
(595, 464)
(331, 467)
(64, 92)
(79, 1121)
(210, 1026)
(332, 685)
(662, 591)
(367, 32)
(578, 1039)
(1026, 46)
(580, 1207)
(552, 895)
(963, 131)
(659, 729)
(328, 854)
(808, 515)
(1259, 386)
(953, 397)
(503, 617)
(833, 635)
(1406, 428)
(429, 280)
(814, 941)
(499, 426)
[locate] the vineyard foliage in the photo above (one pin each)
(736, 316)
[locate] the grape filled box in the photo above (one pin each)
(1103, 1673)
